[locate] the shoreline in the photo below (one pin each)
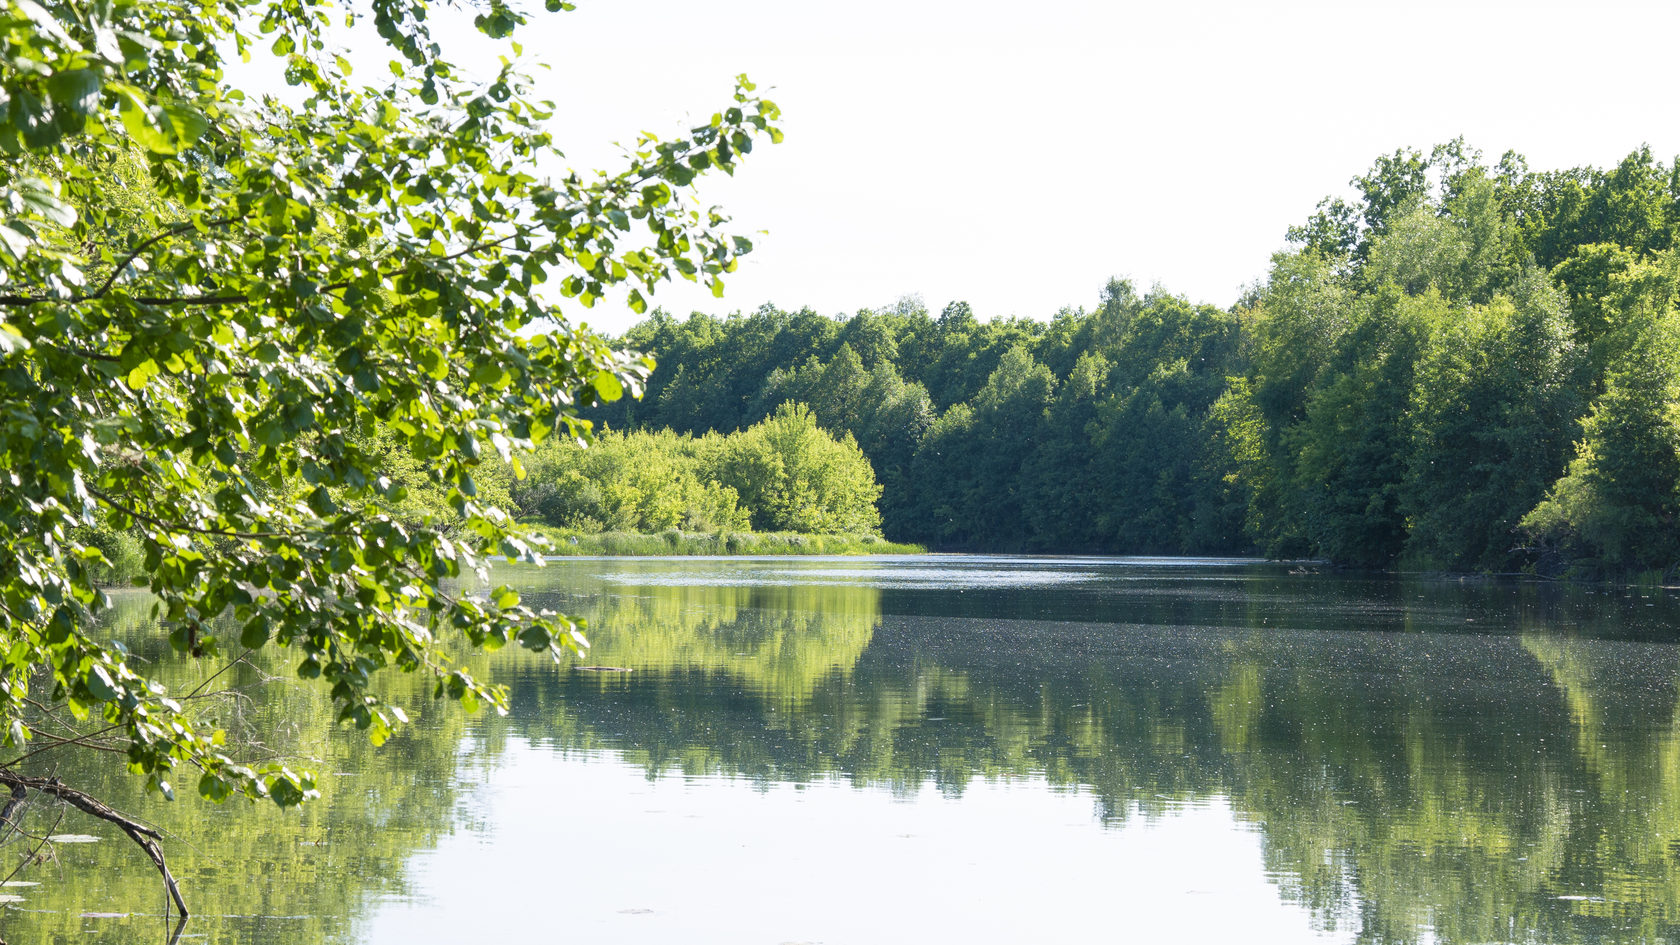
(674, 542)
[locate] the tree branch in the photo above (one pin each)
(179, 526)
(144, 836)
(136, 251)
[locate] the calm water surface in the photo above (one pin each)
(937, 749)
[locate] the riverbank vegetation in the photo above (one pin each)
(780, 474)
(782, 486)
(1462, 365)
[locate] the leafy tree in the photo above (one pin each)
(871, 338)
(637, 482)
(1403, 383)
(1619, 504)
(838, 397)
(1161, 484)
(1490, 423)
(1062, 476)
(1588, 276)
(794, 477)
(968, 469)
(1349, 462)
(1391, 189)
(1291, 337)
(203, 351)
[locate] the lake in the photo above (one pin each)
(940, 748)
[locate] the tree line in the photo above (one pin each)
(1463, 365)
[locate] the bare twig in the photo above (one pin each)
(18, 794)
(212, 677)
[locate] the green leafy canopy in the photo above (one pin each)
(210, 306)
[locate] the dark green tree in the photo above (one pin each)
(1619, 504)
(1491, 419)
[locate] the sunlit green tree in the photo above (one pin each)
(201, 352)
(793, 476)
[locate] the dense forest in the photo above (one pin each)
(1461, 365)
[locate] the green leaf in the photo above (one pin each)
(607, 385)
(142, 374)
(137, 119)
(75, 90)
(285, 351)
(184, 123)
(30, 116)
(42, 198)
(101, 685)
(212, 788)
(13, 241)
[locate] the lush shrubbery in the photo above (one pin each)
(1618, 507)
(1466, 366)
(783, 474)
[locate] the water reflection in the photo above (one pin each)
(250, 873)
(1393, 760)
(1424, 760)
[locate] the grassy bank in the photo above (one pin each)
(674, 542)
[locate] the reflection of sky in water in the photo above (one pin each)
(952, 572)
(619, 858)
(943, 579)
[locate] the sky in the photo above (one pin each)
(1018, 155)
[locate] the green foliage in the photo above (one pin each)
(1416, 378)
(229, 328)
(1490, 421)
(970, 464)
(568, 543)
(783, 474)
(640, 482)
(1588, 276)
(1348, 452)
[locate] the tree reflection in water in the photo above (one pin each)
(1490, 762)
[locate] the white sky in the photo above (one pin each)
(1016, 155)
